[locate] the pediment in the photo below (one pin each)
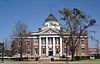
(49, 31)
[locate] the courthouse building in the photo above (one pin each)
(47, 41)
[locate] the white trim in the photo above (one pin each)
(39, 46)
(53, 46)
(46, 46)
(26, 37)
(60, 46)
(50, 36)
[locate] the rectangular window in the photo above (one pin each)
(82, 41)
(35, 40)
(28, 42)
(83, 52)
(57, 50)
(43, 39)
(65, 51)
(28, 51)
(82, 48)
(43, 50)
(57, 40)
(45, 26)
(36, 50)
(50, 40)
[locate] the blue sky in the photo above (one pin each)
(34, 12)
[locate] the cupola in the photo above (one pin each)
(51, 22)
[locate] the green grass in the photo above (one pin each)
(95, 61)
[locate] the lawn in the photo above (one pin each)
(96, 61)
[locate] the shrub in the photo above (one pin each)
(37, 58)
(77, 58)
(81, 57)
(63, 56)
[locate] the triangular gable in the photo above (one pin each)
(49, 31)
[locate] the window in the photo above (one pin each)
(43, 40)
(82, 41)
(43, 50)
(65, 50)
(57, 50)
(82, 49)
(28, 42)
(57, 40)
(50, 40)
(36, 50)
(45, 26)
(35, 40)
(83, 52)
(28, 51)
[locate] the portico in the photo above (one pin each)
(51, 44)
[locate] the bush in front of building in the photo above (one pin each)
(20, 59)
(36, 58)
(97, 56)
(63, 56)
(82, 57)
(77, 58)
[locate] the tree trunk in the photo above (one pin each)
(21, 52)
(21, 44)
(21, 56)
(72, 57)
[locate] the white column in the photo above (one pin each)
(39, 46)
(60, 46)
(46, 46)
(53, 46)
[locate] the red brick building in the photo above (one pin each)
(93, 51)
(47, 42)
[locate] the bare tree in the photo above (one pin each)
(6, 41)
(19, 34)
(76, 23)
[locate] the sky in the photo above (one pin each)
(34, 13)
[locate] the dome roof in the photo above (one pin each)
(50, 18)
(51, 22)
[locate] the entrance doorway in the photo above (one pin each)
(50, 53)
